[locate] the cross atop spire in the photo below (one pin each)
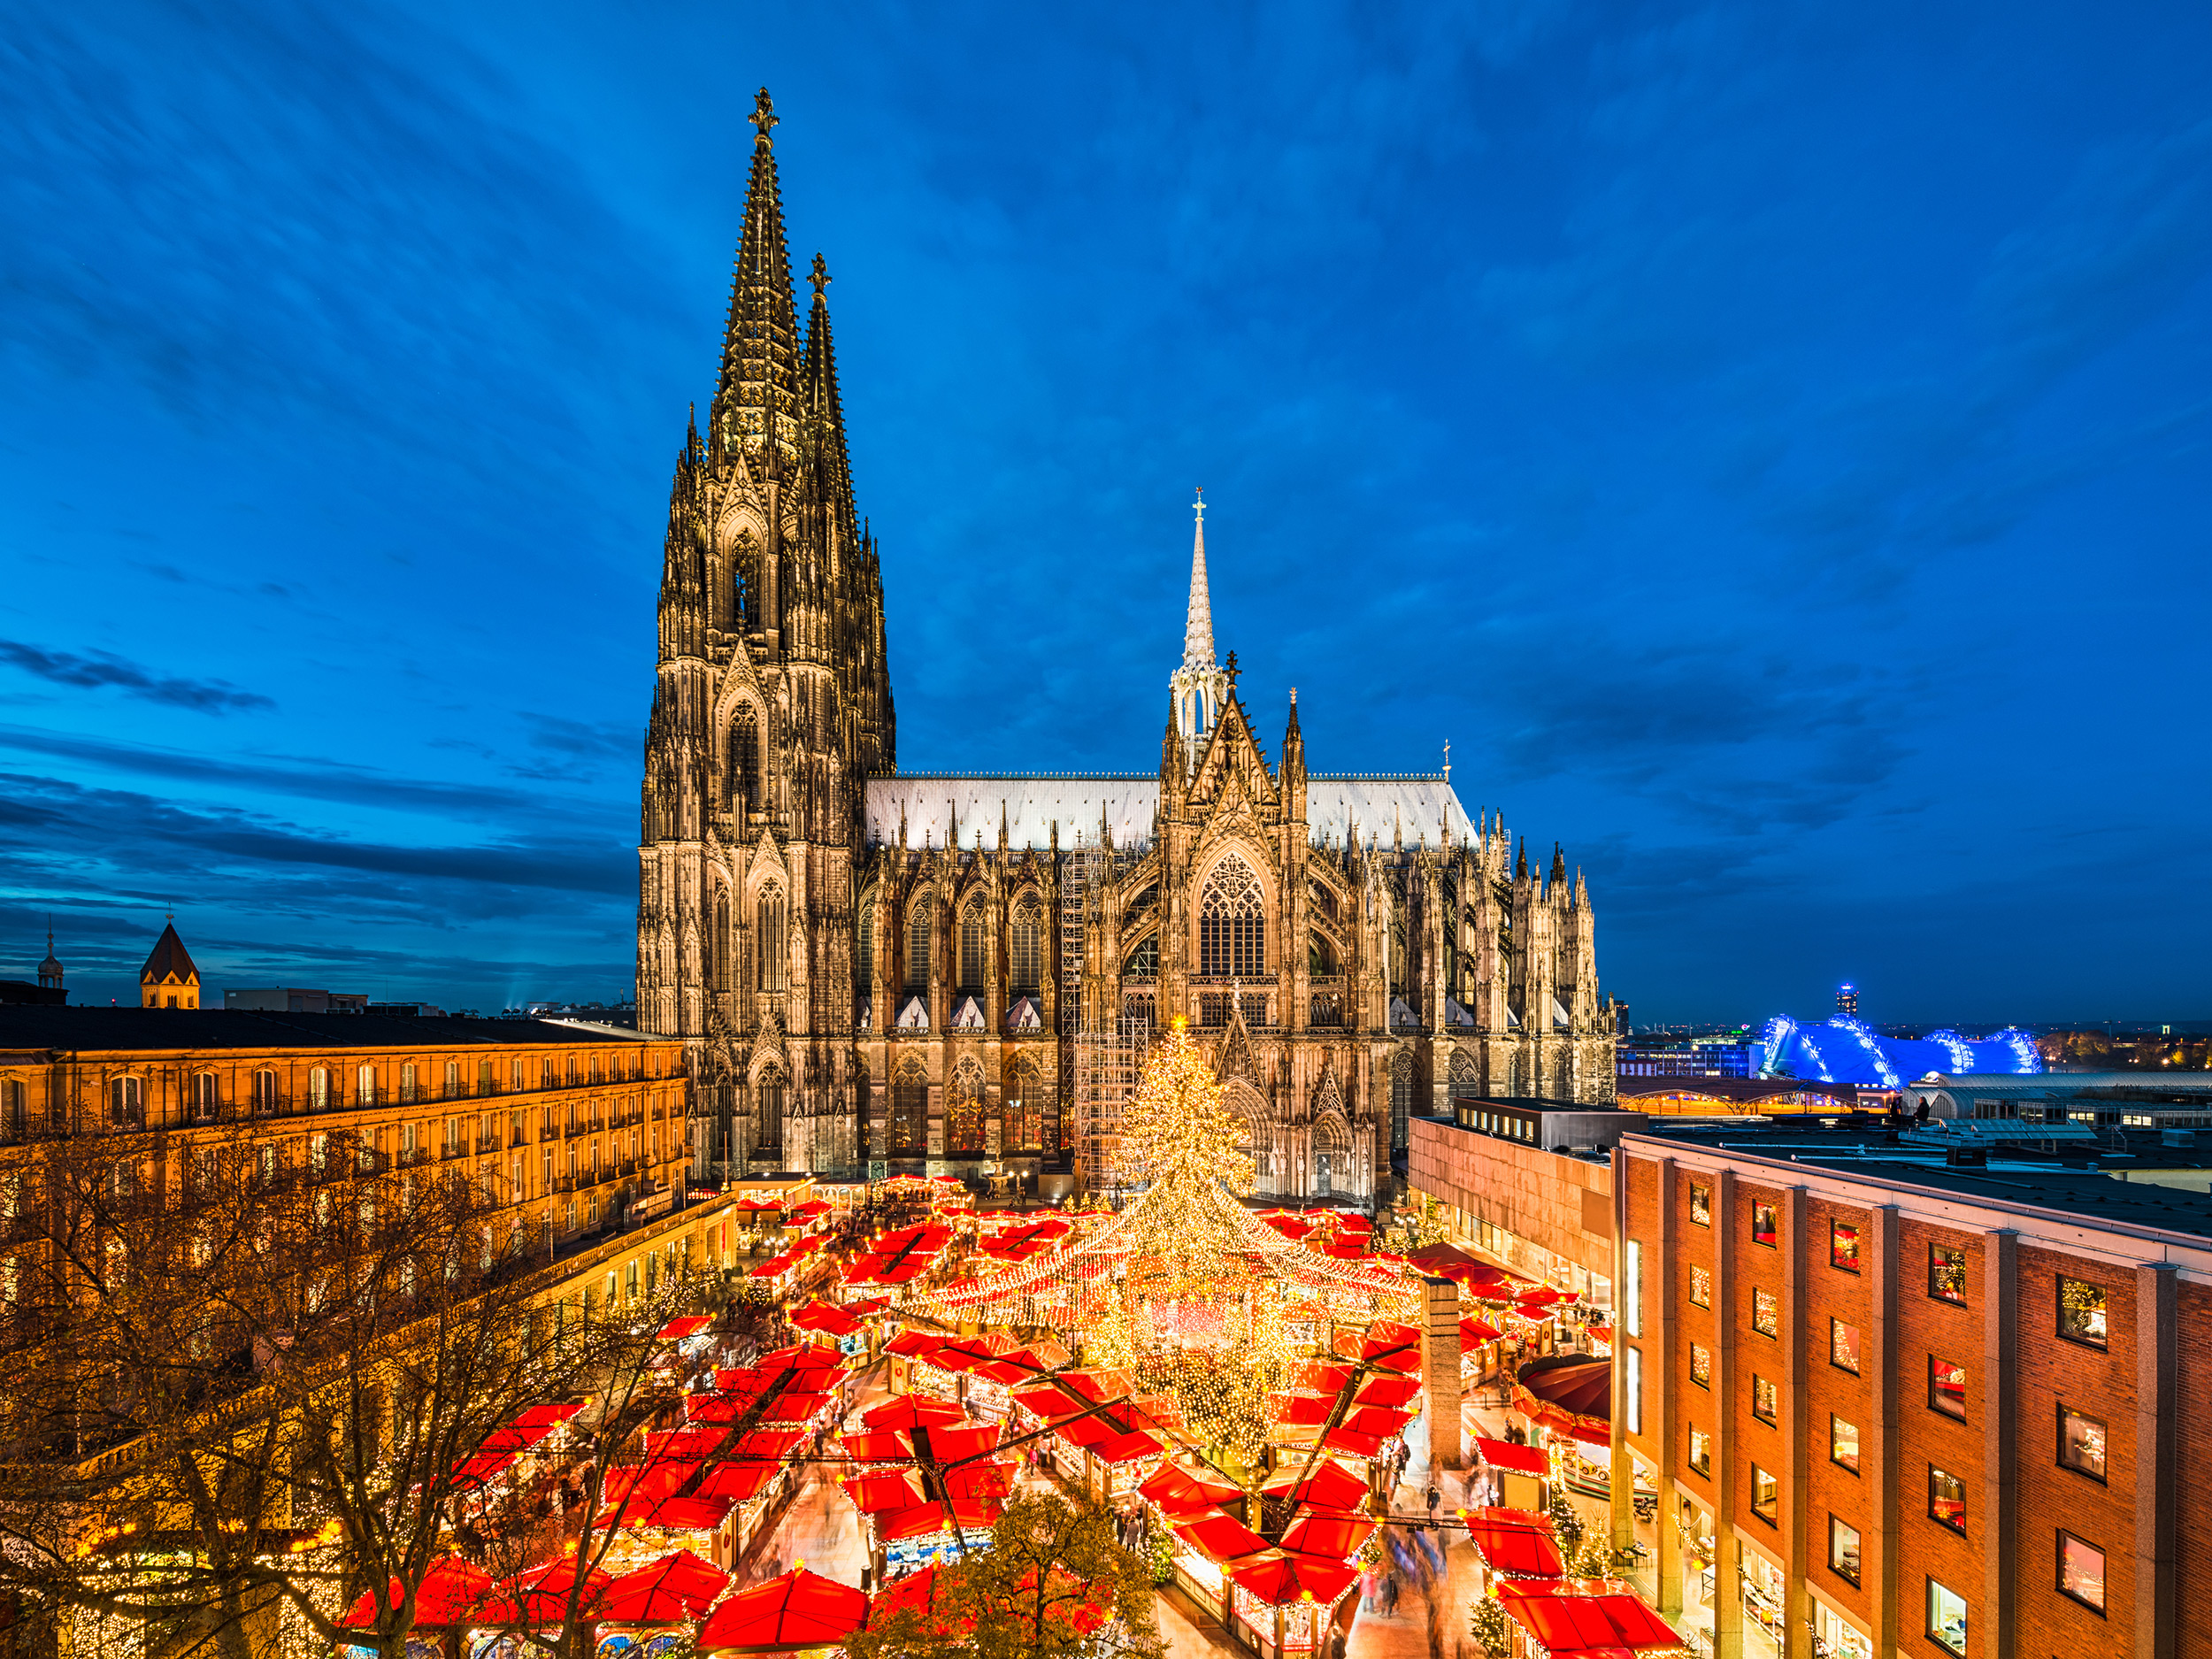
(764, 115)
(820, 277)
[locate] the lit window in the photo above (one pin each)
(1701, 1205)
(1763, 1230)
(1700, 1287)
(1946, 1274)
(1946, 1499)
(1843, 1345)
(1633, 1290)
(1700, 1451)
(1843, 1444)
(1947, 1617)
(1764, 1396)
(1843, 1549)
(1700, 1366)
(2081, 1312)
(2081, 1572)
(1766, 1313)
(2080, 1443)
(1947, 1388)
(1633, 1374)
(1766, 1494)
(1843, 1247)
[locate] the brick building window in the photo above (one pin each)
(1946, 1274)
(1843, 1345)
(1843, 1247)
(1766, 1496)
(2080, 1443)
(1700, 1287)
(1947, 1618)
(1700, 1451)
(1946, 1499)
(2081, 1312)
(1700, 1366)
(1766, 1313)
(1701, 1205)
(1843, 1444)
(1947, 1388)
(1632, 1376)
(1843, 1550)
(1762, 1228)
(2081, 1572)
(1765, 1398)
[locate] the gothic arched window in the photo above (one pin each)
(973, 972)
(1022, 1106)
(768, 1120)
(910, 1108)
(864, 949)
(720, 945)
(963, 1116)
(1143, 961)
(918, 931)
(1400, 1098)
(1231, 933)
(1026, 968)
(744, 762)
(1320, 956)
(774, 947)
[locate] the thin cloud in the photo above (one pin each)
(102, 669)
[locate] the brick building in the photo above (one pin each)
(1889, 1406)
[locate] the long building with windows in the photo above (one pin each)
(1873, 1397)
(577, 1130)
(897, 972)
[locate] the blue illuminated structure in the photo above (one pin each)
(1846, 1050)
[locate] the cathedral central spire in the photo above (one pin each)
(1199, 686)
(1198, 626)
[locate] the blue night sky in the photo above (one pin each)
(1768, 440)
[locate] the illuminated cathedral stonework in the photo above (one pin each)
(880, 971)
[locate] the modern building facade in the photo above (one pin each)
(1864, 1405)
(898, 972)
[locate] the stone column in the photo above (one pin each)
(2157, 1308)
(1440, 1363)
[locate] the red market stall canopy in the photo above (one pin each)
(900, 1256)
(794, 1407)
(472, 1472)
(799, 1609)
(690, 1325)
(827, 1318)
(736, 1482)
(912, 1411)
(1283, 1577)
(674, 1515)
(776, 1266)
(1179, 1494)
(1516, 1543)
(965, 1515)
(1522, 1460)
(686, 1445)
(1386, 1391)
(554, 1411)
(646, 1483)
(541, 1598)
(1572, 1393)
(1221, 1538)
(1575, 1624)
(813, 1209)
(516, 1437)
(1328, 1532)
(881, 1491)
(1386, 1345)
(1331, 1487)
(1474, 1329)
(676, 1588)
(448, 1595)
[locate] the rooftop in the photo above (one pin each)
(2141, 1187)
(146, 1030)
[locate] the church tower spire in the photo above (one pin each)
(1199, 686)
(760, 383)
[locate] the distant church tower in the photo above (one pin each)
(771, 706)
(49, 969)
(169, 979)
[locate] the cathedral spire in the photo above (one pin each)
(1198, 625)
(760, 347)
(827, 408)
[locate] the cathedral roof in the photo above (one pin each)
(934, 804)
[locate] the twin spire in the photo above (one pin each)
(1198, 627)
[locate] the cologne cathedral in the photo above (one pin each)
(882, 971)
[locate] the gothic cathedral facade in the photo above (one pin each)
(879, 972)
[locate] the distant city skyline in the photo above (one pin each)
(1769, 449)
